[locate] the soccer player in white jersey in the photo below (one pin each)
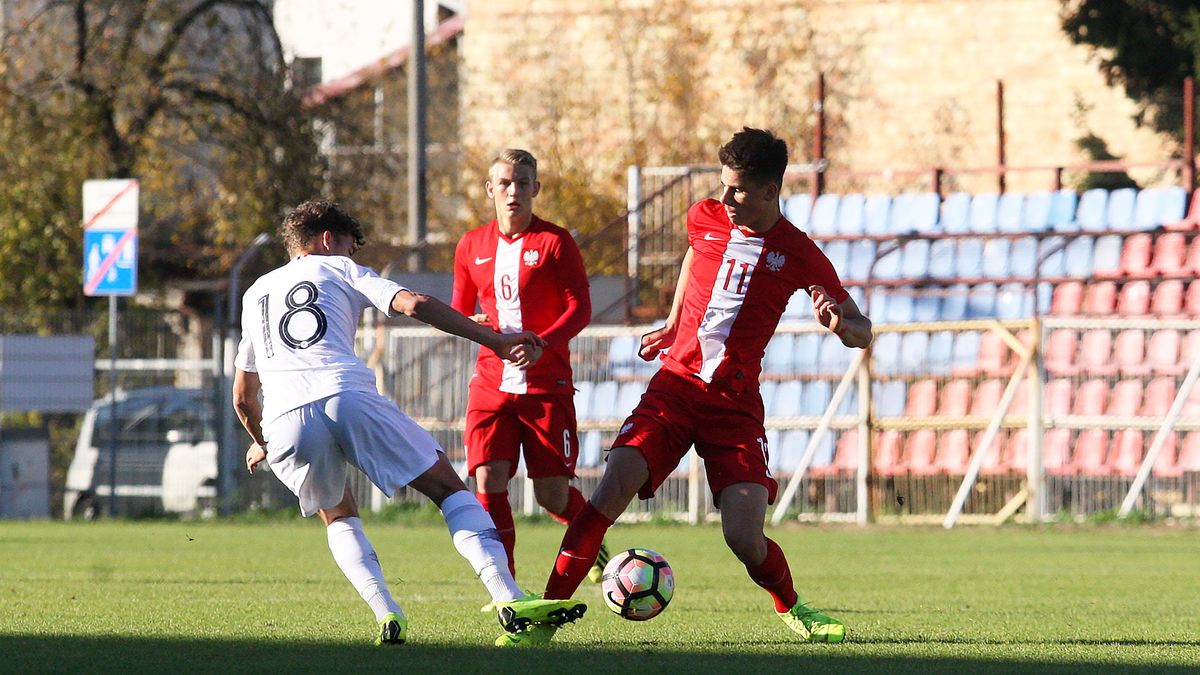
(320, 410)
(744, 261)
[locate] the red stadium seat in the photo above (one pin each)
(1190, 220)
(1192, 263)
(955, 399)
(1166, 465)
(1095, 353)
(1129, 351)
(922, 399)
(1091, 399)
(1060, 351)
(1190, 349)
(994, 461)
(1020, 402)
(1016, 451)
(1100, 299)
(1090, 454)
(1162, 352)
(1160, 393)
(1191, 297)
(919, 451)
(953, 452)
(1167, 300)
(1189, 454)
(1057, 397)
(1170, 255)
(845, 457)
(1126, 399)
(1135, 256)
(1134, 299)
(987, 398)
(1067, 299)
(888, 461)
(994, 354)
(1056, 452)
(1127, 452)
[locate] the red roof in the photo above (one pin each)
(322, 93)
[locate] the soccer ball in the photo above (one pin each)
(637, 584)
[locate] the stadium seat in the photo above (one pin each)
(1120, 209)
(834, 357)
(799, 308)
(1068, 299)
(1078, 257)
(604, 402)
(797, 210)
(1056, 397)
(850, 214)
(914, 352)
(1016, 452)
(920, 450)
(1052, 257)
(807, 352)
(622, 352)
(1172, 209)
(1024, 252)
(889, 398)
(981, 301)
(861, 258)
(996, 258)
(589, 449)
(1060, 352)
(926, 306)
(1192, 262)
(899, 306)
(1126, 399)
(966, 354)
(778, 357)
(1008, 212)
(1013, 302)
(968, 262)
(986, 399)
(1044, 295)
(1095, 353)
(983, 212)
(956, 213)
(1162, 352)
(1190, 349)
(1159, 396)
(773, 449)
(1129, 351)
(954, 303)
(787, 399)
(1092, 213)
(953, 452)
(792, 444)
(922, 399)
(845, 456)
(628, 397)
(1189, 453)
(1167, 299)
(823, 221)
(1035, 216)
(1135, 256)
(900, 215)
(888, 460)
(915, 259)
(814, 398)
(1100, 299)
(1147, 208)
(1062, 211)
(1127, 452)
(837, 252)
(954, 400)
(1134, 299)
(941, 349)
(876, 214)
(1090, 456)
(1191, 297)
(941, 259)
(1107, 256)
(994, 462)
(924, 217)
(766, 391)
(1091, 398)
(1056, 452)
(1170, 254)
(583, 398)
(887, 263)
(1166, 465)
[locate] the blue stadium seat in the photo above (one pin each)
(941, 258)
(889, 398)
(914, 350)
(622, 352)
(899, 306)
(955, 213)
(887, 265)
(778, 359)
(766, 389)
(983, 212)
(1172, 205)
(1106, 256)
(877, 212)
(1092, 213)
(824, 215)
(583, 398)
(799, 308)
(1062, 211)
(792, 443)
(835, 356)
(877, 302)
(850, 214)
(1051, 251)
(968, 262)
(837, 252)
(589, 450)
(797, 210)
(861, 258)
(1023, 257)
(1045, 294)
(981, 301)
(808, 352)
(1120, 209)
(1035, 217)
(924, 214)
(941, 348)
(1078, 257)
(915, 259)
(886, 354)
(900, 216)
(849, 404)
(628, 396)
(815, 398)
(966, 351)
(1008, 212)
(996, 258)
(926, 306)
(773, 449)
(1010, 301)
(604, 402)
(859, 294)
(954, 304)
(1147, 208)
(786, 402)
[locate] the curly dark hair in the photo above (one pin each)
(307, 221)
(757, 154)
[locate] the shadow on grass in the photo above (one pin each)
(135, 655)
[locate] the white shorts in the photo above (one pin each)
(308, 447)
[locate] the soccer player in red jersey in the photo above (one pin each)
(744, 260)
(527, 275)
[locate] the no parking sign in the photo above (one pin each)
(110, 215)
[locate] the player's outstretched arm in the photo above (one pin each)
(843, 318)
(438, 314)
(657, 340)
(246, 386)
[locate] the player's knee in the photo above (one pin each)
(750, 547)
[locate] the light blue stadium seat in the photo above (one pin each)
(900, 216)
(849, 404)
(824, 215)
(1035, 217)
(1078, 257)
(834, 356)
(778, 359)
(1147, 208)
(1051, 251)
(787, 399)
(877, 303)
(941, 258)
(954, 303)
(1172, 205)
(955, 213)
(604, 402)
(799, 308)
(815, 399)
(941, 348)
(995, 258)
(915, 259)
(797, 210)
(850, 214)
(981, 301)
(1008, 212)
(1010, 301)
(837, 252)
(1092, 215)
(899, 306)
(887, 265)
(968, 263)
(792, 443)
(583, 398)
(983, 212)
(914, 349)
(924, 214)
(1023, 257)
(1045, 293)
(589, 450)
(766, 389)
(622, 352)
(628, 396)
(808, 352)
(861, 257)
(1120, 209)
(1106, 255)
(773, 449)
(966, 351)
(886, 354)
(889, 398)
(1062, 211)
(926, 306)
(876, 214)
(859, 294)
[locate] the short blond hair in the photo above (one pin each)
(515, 157)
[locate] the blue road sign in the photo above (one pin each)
(110, 262)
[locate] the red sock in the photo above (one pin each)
(575, 502)
(580, 545)
(775, 577)
(497, 506)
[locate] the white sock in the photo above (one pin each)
(476, 539)
(352, 552)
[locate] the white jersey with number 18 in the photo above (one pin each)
(298, 325)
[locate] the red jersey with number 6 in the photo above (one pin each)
(534, 281)
(740, 284)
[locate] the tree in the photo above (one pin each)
(1146, 46)
(191, 98)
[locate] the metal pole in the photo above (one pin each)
(1189, 134)
(633, 203)
(112, 406)
(861, 482)
(1035, 476)
(1002, 178)
(818, 181)
(416, 139)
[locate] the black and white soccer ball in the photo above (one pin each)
(637, 584)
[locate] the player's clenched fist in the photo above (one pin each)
(255, 454)
(826, 310)
(522, 349)
(654, 342)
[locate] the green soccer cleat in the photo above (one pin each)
(597, 570)
(812, 625)
(537, 635)
(393, 630)
(517, 615)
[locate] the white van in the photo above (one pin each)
(166, 455)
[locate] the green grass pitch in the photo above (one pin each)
(266, 596)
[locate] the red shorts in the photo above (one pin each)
(678, 411)
(499, 425)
